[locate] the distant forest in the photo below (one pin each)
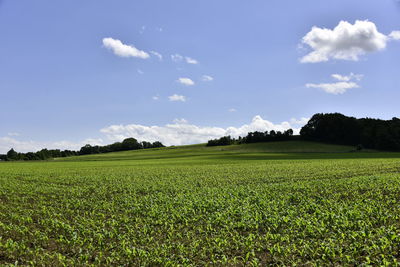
(334, 128)
(253, 137)
(337, 128)
(126, 144)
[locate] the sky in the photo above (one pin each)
(184, 71)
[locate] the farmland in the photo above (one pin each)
(292, 203)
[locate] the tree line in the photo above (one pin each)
(126, 144)
(334, 128)
(253, 137)
(337, 128)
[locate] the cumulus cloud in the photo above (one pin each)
(123, 50)
(186, 81)
(176, 97)
(6, 143)
(395, 35)
(182, 133)
(345, 42)
(190, 60)
(155, 53)
(207, 78)
(340, 87)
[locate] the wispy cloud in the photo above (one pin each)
(179, 58)
(176, 57)
(155, 53)
(175, 98)
(346, 78)
(334, 88)
(190, 60)
(340, 87)
(207, 78)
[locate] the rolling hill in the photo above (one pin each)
(255, 151)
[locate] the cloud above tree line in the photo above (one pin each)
(180, 132)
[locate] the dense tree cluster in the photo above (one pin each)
(127, 144)
(340, 129)
(223, 141)
(253, 137)
(39, 155)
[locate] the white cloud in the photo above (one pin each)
(176, 57)
(6, 143)
(301, 121)
(13, 134)
(140, 71)
(186, 81)
(156, 97)
(179, 58)
(176, 97)
(340, 87)
(180, 121)
(180, 132)
(191, 60)
(346, 41)
(334, 88)
(183, 133)
(346, 78)
(123, 50)
(207, 78)
(160, 57)
(395, 35)
(232, 110)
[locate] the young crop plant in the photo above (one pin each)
(192, 208)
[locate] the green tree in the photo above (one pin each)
(12, 154)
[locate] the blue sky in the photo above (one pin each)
(62, 85)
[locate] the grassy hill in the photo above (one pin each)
(260, 151)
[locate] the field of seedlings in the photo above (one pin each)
(192, 206)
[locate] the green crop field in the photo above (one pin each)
(287, 203)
